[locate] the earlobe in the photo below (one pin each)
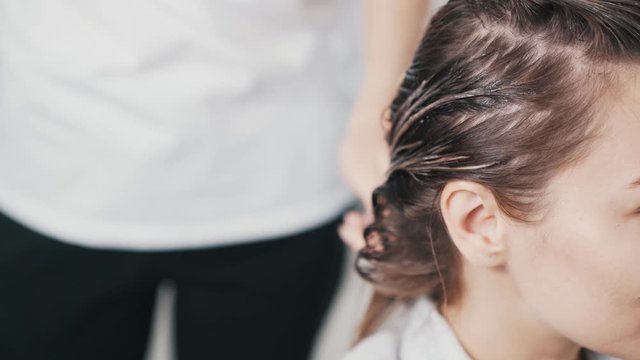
(472, 218)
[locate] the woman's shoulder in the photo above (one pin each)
(415, 331)
(384, 342)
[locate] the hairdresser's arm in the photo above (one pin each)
(392, 31)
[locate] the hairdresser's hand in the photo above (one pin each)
(364, 159)
(392, 31)
(364, 153)
(352, 229)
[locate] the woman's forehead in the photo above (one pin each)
(613, 161)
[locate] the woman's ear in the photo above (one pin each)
(473, 221)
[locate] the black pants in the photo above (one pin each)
(263, 300)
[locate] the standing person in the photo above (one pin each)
(184, 140)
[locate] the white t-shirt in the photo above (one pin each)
(418, 332)
(159, 124)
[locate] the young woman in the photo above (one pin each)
(509, 224)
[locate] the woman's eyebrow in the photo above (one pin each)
(634, 184)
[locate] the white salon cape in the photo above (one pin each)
(165, 124)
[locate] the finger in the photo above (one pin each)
(352, 230)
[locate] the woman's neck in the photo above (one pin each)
(493, 323)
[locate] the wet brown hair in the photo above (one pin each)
(502, 93)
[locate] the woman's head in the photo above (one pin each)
(515, 141)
